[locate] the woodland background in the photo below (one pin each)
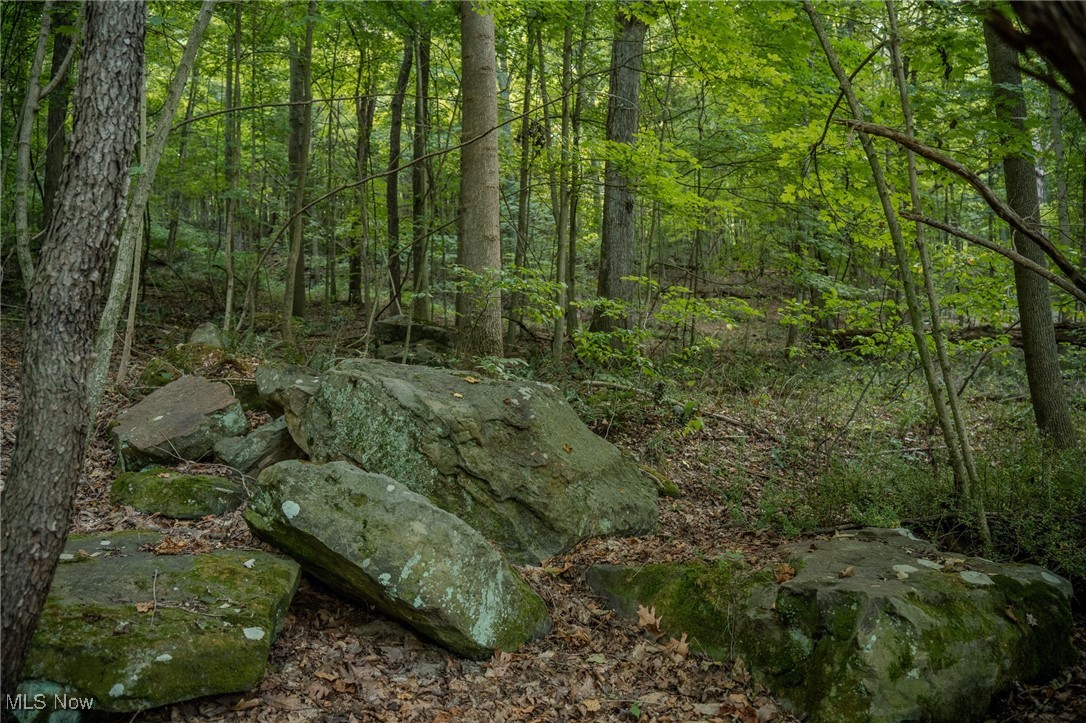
(691, 241)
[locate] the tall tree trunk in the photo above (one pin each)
(22, 159)
(56, 142)
(527, 151)
(572, 319)
(423, 305)
(619, 233)
(480, 252)
(562, 218)
(55, 416)
(301, 119)
(133, 228)
(233, 162)
(392, 187)
(1034, 307)
(175, 196)
(1063, 215)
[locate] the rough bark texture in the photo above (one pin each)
(1034, 307)
(618, 243)
(480, 231)
(62, 311)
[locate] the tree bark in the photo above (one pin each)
(524, 178)
(301, 119)
(423, 306)
(175, 196)
(232, 142)
(619, 234)
(1034, 306)
(392, 183)
(479, 325)
(55, 416)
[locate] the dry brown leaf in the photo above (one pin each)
(785, 572)
(679, 648)
(592, 705)
(847, 572)
(569, 449)
(144, 607)
(457, 395)
(471, 380)
(646, 618)
(324, 675)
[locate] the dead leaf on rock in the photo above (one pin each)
(457, 395)
(144, 607)
(471, 380)
(847, 572)
(785, 572)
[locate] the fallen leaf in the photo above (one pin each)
(458, 395)
(902, 575)
(785, 572)
(646, 618)
(144, 607)
(250, 562)
(847, 572)
(569, 449)
(471, 380)
(679, 648)
(1030, 620)
(592, 705)
(1009, 612)
(324, 675)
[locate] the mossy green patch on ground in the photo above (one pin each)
(180, 496)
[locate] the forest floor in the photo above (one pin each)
(337, 661)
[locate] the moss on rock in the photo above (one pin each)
(134, 630)
(180, 496)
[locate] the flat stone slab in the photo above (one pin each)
(372, 539)
(135, 630)
(178, 496)
(873, 626)
(180, 421)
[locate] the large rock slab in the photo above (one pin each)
(178, 496)
(134, 630)
(509, 458)
(372, 539)
(874, 626)
(395, 329)
(182, 420)
(273, 382)
(261, 448)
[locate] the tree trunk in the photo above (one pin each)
(392, 187)
(22, 158)
(175, 196)
(423, 305)
(58, 110)
(301, 118)
(572, 320)
(479, 325)
(527, 151)
(133, 229)
(562, 218)
(55, 416)
(233, 162)
(1034, 307)
(619, 232)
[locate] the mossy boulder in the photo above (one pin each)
(395, 329)
(259, 449)
(192, 358)
(874, 626)
(181, 421)
(372, 539)
(509, 458)
(179, 496)
(134, 630)
(426, 353)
